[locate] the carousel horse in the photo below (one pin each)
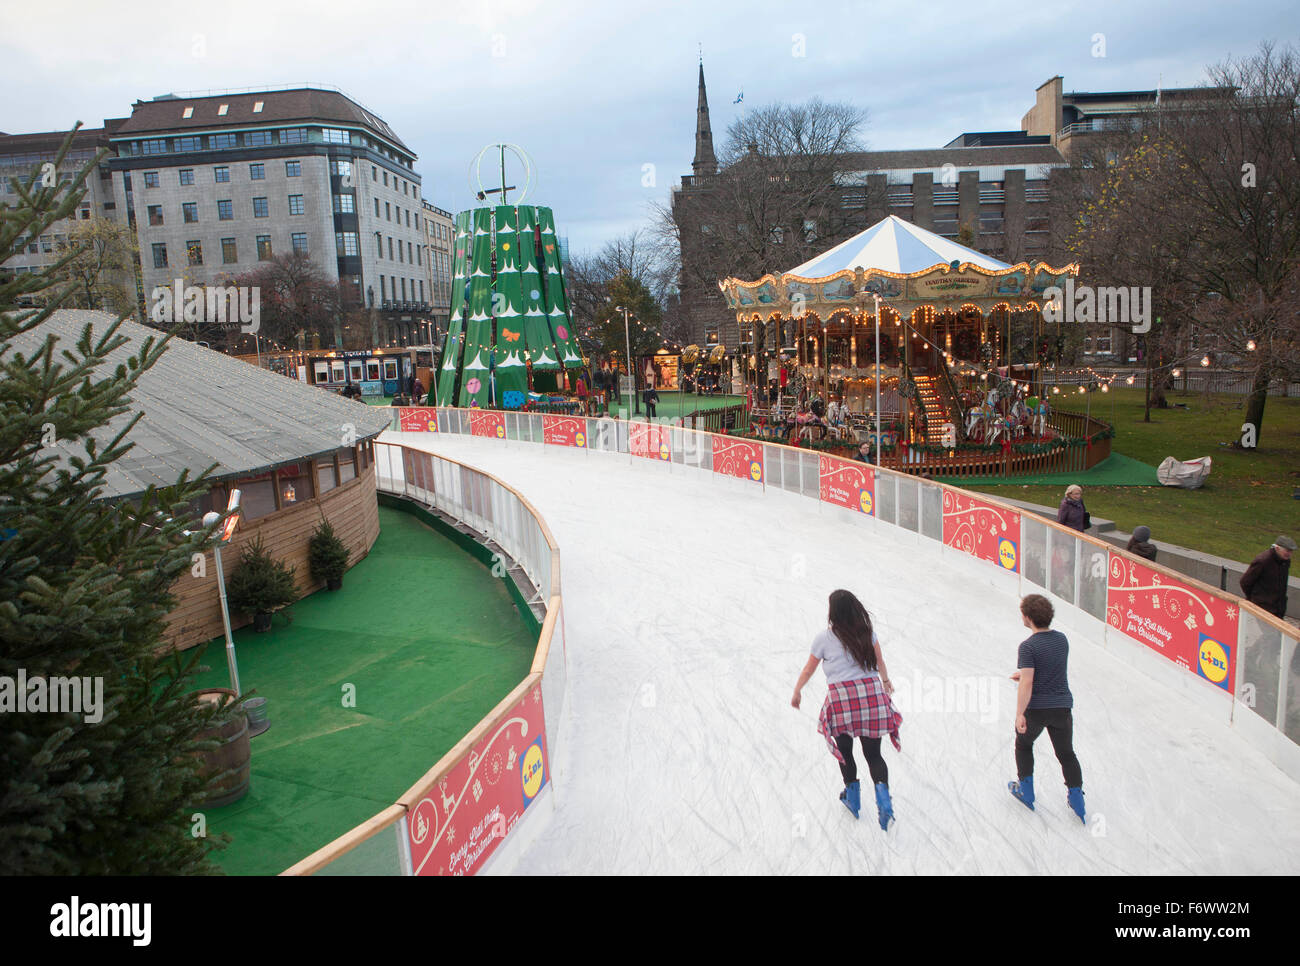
(1040, 418)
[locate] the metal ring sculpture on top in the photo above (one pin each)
(476, 173)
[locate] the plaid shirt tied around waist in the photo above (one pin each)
(860, 708)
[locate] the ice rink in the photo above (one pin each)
(690, 605)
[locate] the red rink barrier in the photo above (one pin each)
(847, 484)
(738, 457)
(983, 530)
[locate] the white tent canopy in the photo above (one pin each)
(897, 246)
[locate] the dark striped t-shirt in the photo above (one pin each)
(1047, 653)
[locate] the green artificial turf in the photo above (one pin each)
(673, 404)
(1248, 499)
(1115, 470)
(431, 641)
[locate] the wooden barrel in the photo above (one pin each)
(230, 760)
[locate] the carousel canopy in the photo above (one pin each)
(896, 246)
(905, 266)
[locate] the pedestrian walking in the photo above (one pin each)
(857, 699)
(1140, 543)
(1044, 701)
(651, 399)
(1072, 512)
(1265, 580)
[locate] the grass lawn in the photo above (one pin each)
(1248, 499)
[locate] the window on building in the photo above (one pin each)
(221, 174)
(341, 168)
(46, 245)
(295, 205)
(194, 249)
(390, 368)
(408, 251)
(225, 211)
(383, 288)
(257, 172)
(374, 173)
(190, 209)
(263, 248)
(421, 290)
(388, 211)
(187, 113)
(325, 480)
(390, 248)
(299, 239)
(344, 204)
(376, 207)
(293, 169)
(379, 246)
(151, 179)
(159, 255)
(229, 251)
(256, 139)
(354, 370)
(187, 176)
(155, 215)
(408, 218)
(257, 107)
(293, 135)
(403, 289)
(347, 468)
(221, 141)
(189, 144)
(419, 256)
(385, 179)
(334, 135)
(401, 257)
(320, 373)
(347, 243)
(158, 146)
(223, 110)
(261, 208)
(337, 372)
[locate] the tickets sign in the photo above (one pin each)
(650, 440)
(1191, 627)
(564, 431)
(738, 457)
(418, 419)
(847, 484)
(462, 820)
(487, 423)
(981, 529)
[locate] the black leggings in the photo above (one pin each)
(871, 751)
(1059, 723)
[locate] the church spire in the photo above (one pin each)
(706, 162)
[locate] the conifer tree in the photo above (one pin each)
(84, 584)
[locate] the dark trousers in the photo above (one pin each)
(1059, 723)
(649, 408)
(871, 751)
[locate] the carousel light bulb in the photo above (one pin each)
(1205, 361)
(1105, 388)
(1250, 345)
(1056, 390)
(1177, 373)
(1129, 380)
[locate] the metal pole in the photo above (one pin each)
(878, 447)
(225, 617)
(631, 372)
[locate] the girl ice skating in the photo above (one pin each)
(857, 700)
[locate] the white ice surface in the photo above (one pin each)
(690, 604)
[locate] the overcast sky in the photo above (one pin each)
(596, 91)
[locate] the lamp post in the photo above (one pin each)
(877, 298)
(627, 338)
(227, 531)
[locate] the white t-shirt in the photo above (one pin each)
(837, 662)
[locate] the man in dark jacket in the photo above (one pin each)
(1265, 580)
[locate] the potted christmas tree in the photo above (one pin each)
(260, 585)
(327, 556)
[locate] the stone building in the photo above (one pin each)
(439, 234)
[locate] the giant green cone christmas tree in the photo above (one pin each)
(510, 329)
(84, 591)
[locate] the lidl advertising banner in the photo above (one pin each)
(462, 820)
(981, 529)
(738, 457)
(418, 419)
(1191, 627)
(564, 430)
(650, 440)
(487, 423)
(848, 484)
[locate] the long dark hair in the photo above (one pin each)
(851, 623)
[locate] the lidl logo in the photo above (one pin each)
(864, 501)
(501, 431)
(433, 425)
(580, 439)
(663, 451)
(755, 471)
(1007, 553)
(1212, 662)
(532, 770)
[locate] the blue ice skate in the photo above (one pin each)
(1075, 797)
(852, 798)
(1023, 790)
(884, 807)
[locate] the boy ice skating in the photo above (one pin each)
(857, 699)
(1044, 701)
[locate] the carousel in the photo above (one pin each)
(904, 325)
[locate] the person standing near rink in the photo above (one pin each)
(1044, 701)
(857, 699)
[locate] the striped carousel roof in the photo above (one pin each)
(894, 245)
